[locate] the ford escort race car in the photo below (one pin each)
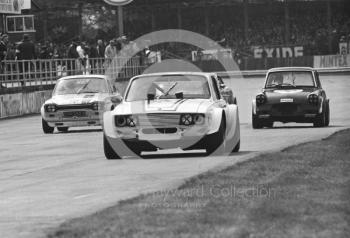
(78, 101)
(171, 110)
(291, 94)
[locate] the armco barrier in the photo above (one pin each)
(19, 104)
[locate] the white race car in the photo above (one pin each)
(171, 110)
(78, 101)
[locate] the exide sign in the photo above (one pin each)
(118, 2)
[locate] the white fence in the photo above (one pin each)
(17, 73)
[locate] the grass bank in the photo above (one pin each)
(303, 191)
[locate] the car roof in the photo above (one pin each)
(204, 74)
(281, 69)
(83, 76)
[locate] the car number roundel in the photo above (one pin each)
(118, 2)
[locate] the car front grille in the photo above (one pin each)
(72, 114)
(159, 130)
(158, 120)
(74, 107)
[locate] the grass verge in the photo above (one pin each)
(303, 191)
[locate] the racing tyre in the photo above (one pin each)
(268, 124)
(108, 150)
(320, 120)
(62, 129)
(237, 147)
(327, 115)
(46, 128)
(217, 141)
(256, 123)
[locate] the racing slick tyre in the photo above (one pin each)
(46, 128)
(320, 120)
(217, 141)
(62, 129)
(268, 124)
(237, 147)
(108, 150)
(327, 115)
(256, 123)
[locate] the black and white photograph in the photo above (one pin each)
(174, 118)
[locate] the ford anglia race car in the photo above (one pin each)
(291, 95)
(78, 101)
(171, 110)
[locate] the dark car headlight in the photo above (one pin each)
(50, 108)
(260, 99)
(186, 119)
(313, 99)
(192, 119)
(95, 106)
(131, 121)
(125, 120)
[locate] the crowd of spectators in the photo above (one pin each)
(308, 27)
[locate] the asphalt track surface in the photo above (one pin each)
(46, 179)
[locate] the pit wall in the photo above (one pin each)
(19, 104)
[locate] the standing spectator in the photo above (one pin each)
(26, 52)
(93, 57)
(83, 57)
(44, 53)
(72, 56)
(110, 51)
(50, 49)
(3, 51)
(100, 55)
(26, 49)
(100, 49)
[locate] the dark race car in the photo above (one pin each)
(291, 94)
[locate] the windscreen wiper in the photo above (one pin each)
(166, 93)
(84, 86)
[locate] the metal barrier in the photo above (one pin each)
(21, 73)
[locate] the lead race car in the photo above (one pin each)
(171, 110)
(291, 94)
(78, 101)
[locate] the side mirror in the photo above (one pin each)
(150, 96)
(116, 99)
(222, 86)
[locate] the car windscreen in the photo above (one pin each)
(168, 87)
(290, 79)
(80, 85)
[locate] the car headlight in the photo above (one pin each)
(313, 99)
(131, 121)
(186, 119)
(95, 106)
(260, 99)
(125, 120)
(199, 119)
(120, 121)
(192, 119)
(50, 107)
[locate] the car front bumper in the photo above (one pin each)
(151, 139)
(87, 118)
(287, 112)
